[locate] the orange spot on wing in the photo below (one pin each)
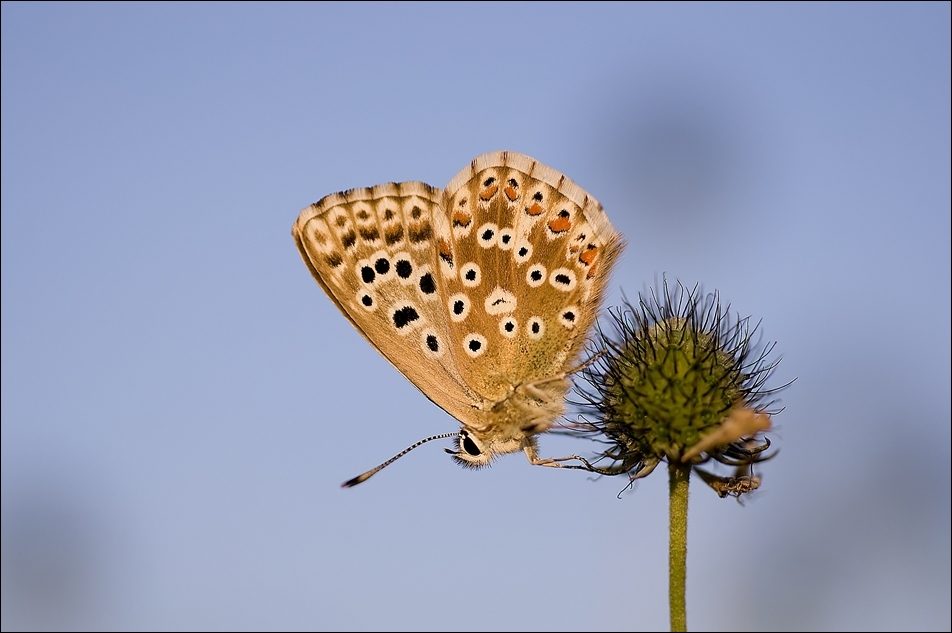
(588, 255)
(446, 253)
(591, 271)
(488, 192)
(560, 224)
(511, 193)
(535, 209)
(461, 218)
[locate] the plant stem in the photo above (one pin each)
(678, 477)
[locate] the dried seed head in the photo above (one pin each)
(679, 381)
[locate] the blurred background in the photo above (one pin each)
(180, 401)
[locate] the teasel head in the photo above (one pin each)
(679, 380)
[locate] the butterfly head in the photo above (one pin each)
(476, 451)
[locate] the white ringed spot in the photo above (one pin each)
(535, 276)
(459, 306)
(568, 317)
(474, 344)
(383, 266)
(522, 252)
(470, 274)
(563, 279)
(487, 234)
(506, 239)
(403, 268)
(364, 269)
(431, 343)
(500, 301)
(366, 299)
(535, 328)
(426, 284)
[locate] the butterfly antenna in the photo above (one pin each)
(350, 483)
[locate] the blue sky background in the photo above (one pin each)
(180, 401)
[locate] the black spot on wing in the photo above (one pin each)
(404, 269)
(427, 285)
(404, 316)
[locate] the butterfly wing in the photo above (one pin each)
(531, 254)
(375, 253)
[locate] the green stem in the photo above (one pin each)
(678, 477)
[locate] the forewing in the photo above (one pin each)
(375, 253)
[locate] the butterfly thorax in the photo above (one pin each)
(512, 423)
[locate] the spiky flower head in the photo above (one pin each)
(679, 381)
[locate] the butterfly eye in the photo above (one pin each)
(469, 451)
(468, 445)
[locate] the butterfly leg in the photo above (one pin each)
(557, 462)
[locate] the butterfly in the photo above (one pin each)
(482, 294)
